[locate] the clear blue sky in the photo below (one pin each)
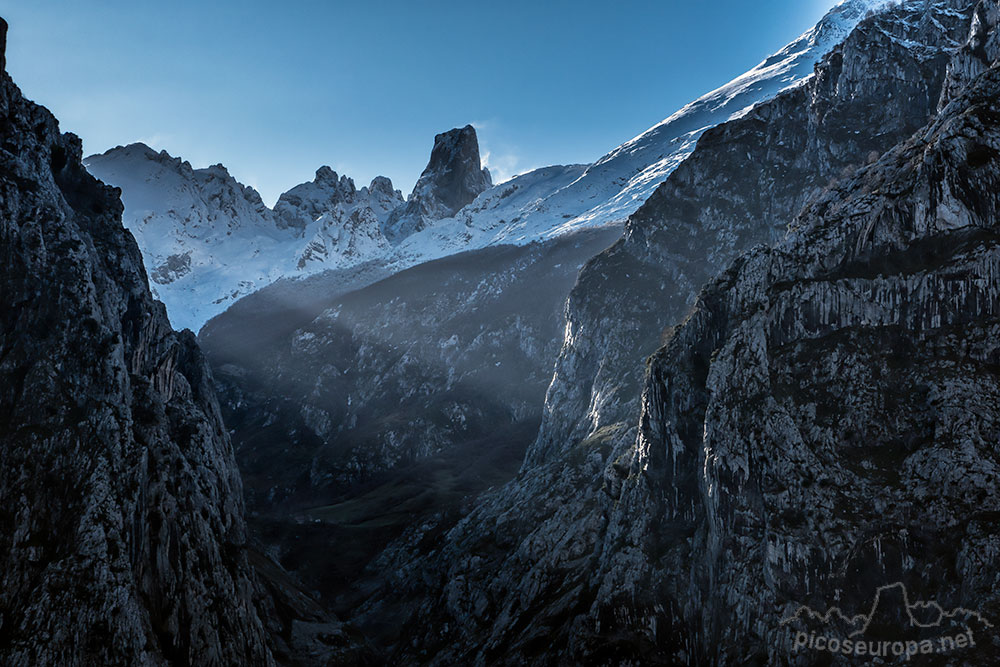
(275, 89)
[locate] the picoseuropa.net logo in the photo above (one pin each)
(892, 628)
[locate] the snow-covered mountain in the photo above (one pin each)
(554, 200)
(341, 226)
(208, 240)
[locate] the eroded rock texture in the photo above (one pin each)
(827, 418)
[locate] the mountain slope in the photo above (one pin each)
(828, 414)
(206, 239)
(612, 188)
(122, 536)
(210, 240)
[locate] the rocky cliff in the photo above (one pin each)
(742, 185)
(122, 536)
(825, 422)
(454, 177)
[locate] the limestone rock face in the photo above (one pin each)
(826, 420)
(122, 538)
(454, 177)
(743, 184)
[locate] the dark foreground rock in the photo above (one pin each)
(826, 421)
(122, 537)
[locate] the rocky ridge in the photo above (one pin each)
(210, 240)
(445, 215)
(826, 418)
(343, 224)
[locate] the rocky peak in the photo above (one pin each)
(841, 19)
(3, 44)
(307, 202)
(454, 175)
(382, 186)
(327, 177)
(453, 178)
(351, 228)
(219, 170)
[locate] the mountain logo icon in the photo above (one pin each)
(892, 625)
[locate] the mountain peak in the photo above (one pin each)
(3, 44)
(381, 183)
(326, 176)
(453, 178)
(455, 168)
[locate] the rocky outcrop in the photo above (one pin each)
(454, 177)
(741, 186)
(825, 421)
(348, 230)
(122, 538)
(307, 203)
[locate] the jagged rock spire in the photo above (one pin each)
(453, 178)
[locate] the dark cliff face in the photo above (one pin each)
(122, 538)
(743, 184)
(453, 178)
(826, 421)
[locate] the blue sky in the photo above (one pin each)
(273, 90)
